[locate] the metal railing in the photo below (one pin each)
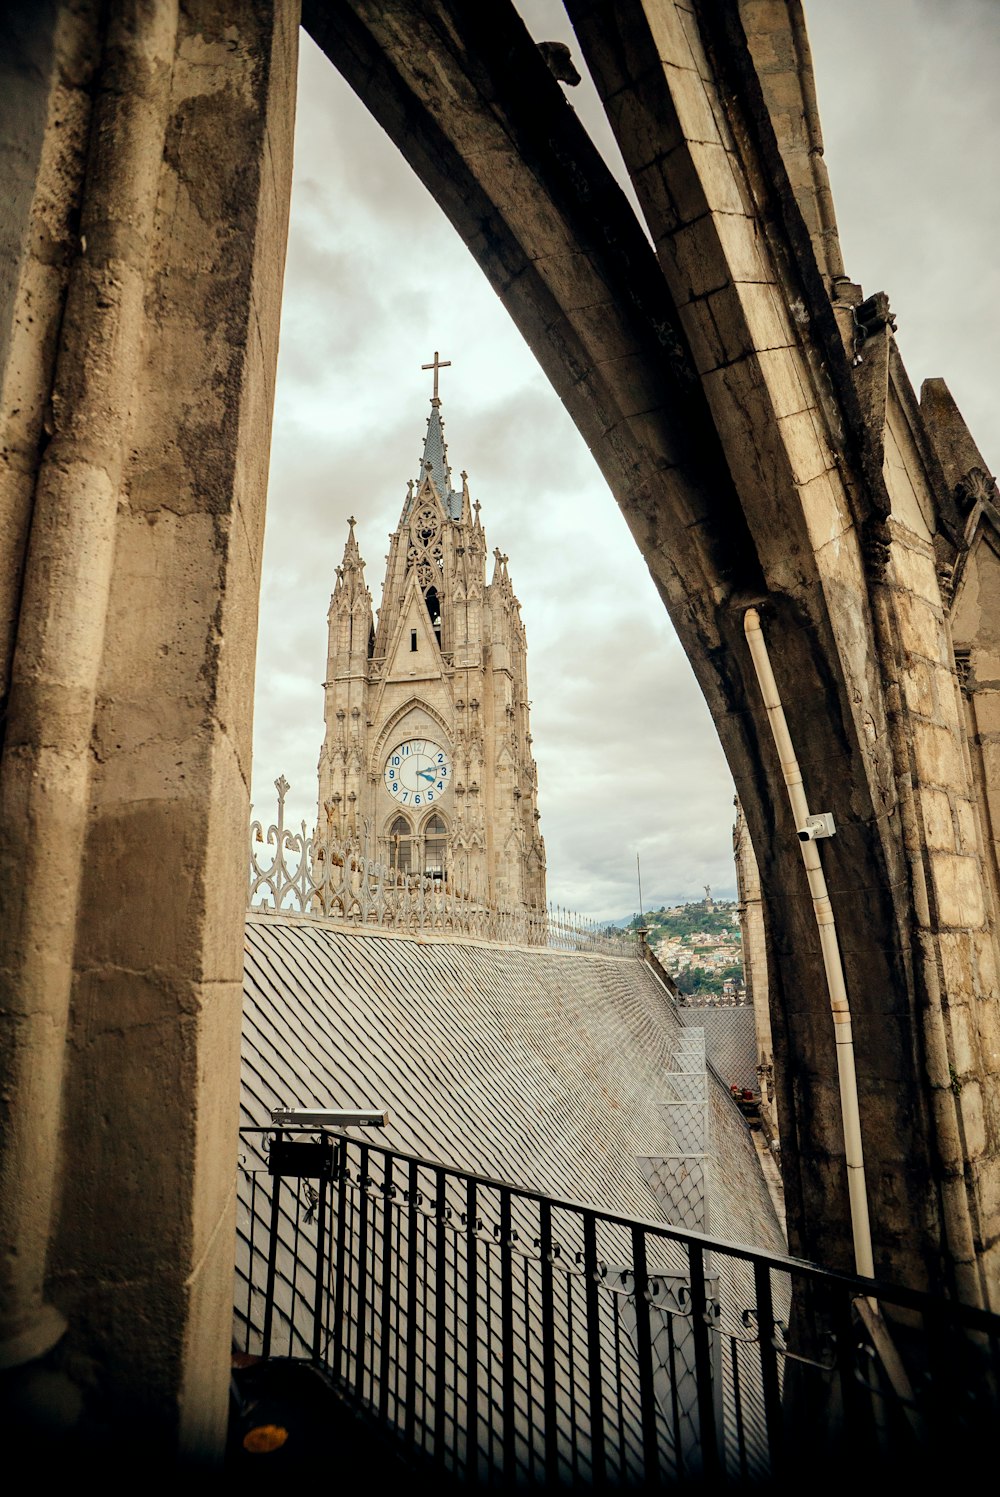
(340, 880)
(515, 1338)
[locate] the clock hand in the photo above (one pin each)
(426, 774)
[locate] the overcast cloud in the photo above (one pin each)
(377, 280)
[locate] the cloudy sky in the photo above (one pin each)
(377, 280)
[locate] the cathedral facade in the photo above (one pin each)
(426, 754)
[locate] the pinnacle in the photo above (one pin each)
(352, 560)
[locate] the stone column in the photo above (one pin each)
(126, 766)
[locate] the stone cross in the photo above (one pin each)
(437, 365)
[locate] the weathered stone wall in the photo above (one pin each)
(145, 335)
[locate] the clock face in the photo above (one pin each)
(417, 772)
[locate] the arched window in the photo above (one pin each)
(435, 846)
(434, 609)
(401, 846)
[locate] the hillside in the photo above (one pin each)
(700, 946)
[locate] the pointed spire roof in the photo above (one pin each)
(435, 466)
(351, 552)
(434, 463)
(351, 572)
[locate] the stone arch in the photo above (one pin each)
(392, 725)
(401, 842)
(434, 836)
(753, 474)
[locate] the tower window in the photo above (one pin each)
(401, 846)
(413, 639)
(435, 846)
(434, 610)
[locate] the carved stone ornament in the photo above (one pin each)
(875, 542)
(963, 669)
(946, 580)
(872, 317)
(976, 487)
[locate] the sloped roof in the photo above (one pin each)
(536, 1066)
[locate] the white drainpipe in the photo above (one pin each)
(821, 826)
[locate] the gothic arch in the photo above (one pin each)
(401, 842)
(391, 727)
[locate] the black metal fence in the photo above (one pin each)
(519, 1339)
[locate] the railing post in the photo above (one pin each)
(341, 1266)
(471, 1334)
(547, 1250)
(644, 1358)
(385, 1313)
(272, 1260)
(858, 1424)
(362, 1300)
(440, 1309)
(320, 1271)
(507, 1342)
(410, 1378)
(592, 1292)
(769, 1369)
(708, 1434)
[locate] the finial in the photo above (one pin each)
(351, 521)
(437, 365)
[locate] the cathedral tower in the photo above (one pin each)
(427, 749)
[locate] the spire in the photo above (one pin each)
(351, 572)
(435, 460)
(434, 463)
(501, 576)
(352, 556)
